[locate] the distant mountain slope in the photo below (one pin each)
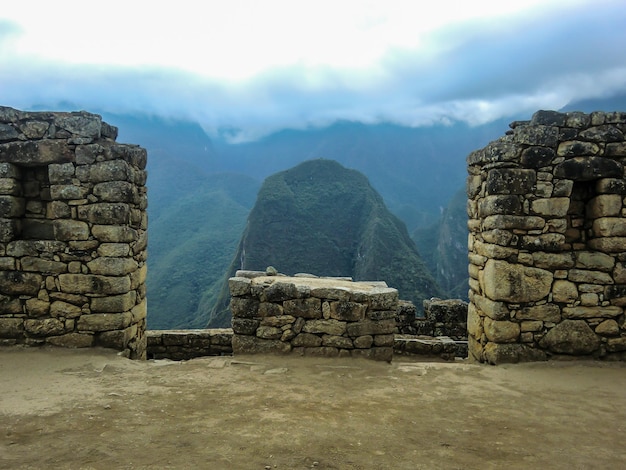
(322, 218)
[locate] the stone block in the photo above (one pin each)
(588, 169)
(604, 205)
(347, 311)
(543, 242)
(595, 260)
(108, 213)
(116, 191)
(9, 229)
(474, 322)
(494, 310)
(93, 284)
(72, 340)
(66, 230)
(20, 283)
(337, 341)
(58, 210)
(608, 328)
(515, 283)
(11, 327)
(37, 308)
(532, 325)
(68, 191)
(38, 153)
(11, 206)
(571, 337)
(501, 331)
(139, 311)
(239, 286)
(270, 309)
(114, 303)
(330, 293)
(545, 136)
(608, 244)
(329, 327)
(114, 234)
(269, 332)
(512, 222)
(305, 308)
(609, 227)
(254, 345)
(367, 327)
(554, 207)
(499, 205)
(511, 353)
(306, 340)
(114, 250)
(615, 149)
(611, 186)
(604, 134)
(510, 181)
(104, 321)
(280, 291)
(545, 313)
(45, 327)
(589, 277)
(245, 326)
(112, 266)
(553, 261)
(609, 311)
(363, 342)
(110, 170)
(64, 310)
(30, 263)
(564, 291)
(616, 344)
(79, 124)
(278, 321)
(537, 157)
(244, 307)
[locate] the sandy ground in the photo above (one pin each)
(68, 409)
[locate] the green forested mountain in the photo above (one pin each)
(324, 219)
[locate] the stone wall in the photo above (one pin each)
(547, 242)
(312, 316)
(73, 233)
(186, 344)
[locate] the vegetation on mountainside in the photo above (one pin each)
(324, 219)
(445, 247)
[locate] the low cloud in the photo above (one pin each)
(474, 74)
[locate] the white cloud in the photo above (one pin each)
(260, 66)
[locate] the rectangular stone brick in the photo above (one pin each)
(93, 284)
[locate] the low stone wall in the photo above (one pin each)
(312, 316)
(73, 233)
(186, 344)
(444, 318)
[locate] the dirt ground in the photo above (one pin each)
(78, 409)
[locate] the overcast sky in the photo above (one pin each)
(259, 66)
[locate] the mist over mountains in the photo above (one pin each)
(201, 191)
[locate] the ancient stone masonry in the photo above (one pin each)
(73, 233)
(312, 316)
(547, 242)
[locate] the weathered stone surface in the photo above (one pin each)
(347, 311)
(510, 181)
(515, 283)
(545, 313)
(495, 353)
(537, 157)
(608, 311)
(245, 326)
(45, 327)
(571, 337)
(331, 293)
(11, 206)
(611, 186)
(64, 310)
(108, 213)
(337, 341)
(33, 264)
(67, 230)
(114, 250)
(564, 291)
(68, 191)
(253, 345)
(588, 168)
(114, 234)
(20, 283)
(112, 266)
(270, 309)
(72, 340)
(546, 136)
(363, 342)
(501, 331)
(93, 284)
(553, 261)
(589, 277)
(11, 327)
(244, 307)
(111, 170)
(604, 205)
(279, 321)
(239, 286)
(114, 303)
(511, 222)
(606, 133)
(304, 308)
(37, 308)
(368, 327)
(494, 310)
(609, 227)
(594, 260)
(616, 344)
(543, 242)
(608, 244)
(608, 328)
(36, 153)
(104, 321)
(501, 204)
(330, 327)
(306, 340)
(269, 332)
(116, 191)
(280, 291)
